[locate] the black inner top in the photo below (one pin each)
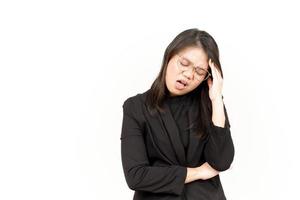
(179, 109)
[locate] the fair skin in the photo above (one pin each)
(199, 58)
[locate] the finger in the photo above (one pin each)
(216, 71)
(209, 82)
(213, 69)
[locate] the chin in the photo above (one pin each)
(182, 92)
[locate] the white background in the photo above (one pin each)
(66, 68)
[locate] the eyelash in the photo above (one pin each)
(184, 64)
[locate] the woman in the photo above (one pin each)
(176, 136)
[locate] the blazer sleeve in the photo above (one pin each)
(139, 174)
(219, 149)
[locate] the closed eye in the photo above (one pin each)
(184, 64)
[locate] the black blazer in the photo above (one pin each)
(154, 161)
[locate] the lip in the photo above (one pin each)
(179, 86)
(183, 81)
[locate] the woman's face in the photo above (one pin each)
(193, 56)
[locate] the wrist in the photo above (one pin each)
(192, 174)
(217, 99)
(199, 173)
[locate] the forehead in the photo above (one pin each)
(195, 55)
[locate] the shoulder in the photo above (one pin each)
(134, 105)
(136, 99)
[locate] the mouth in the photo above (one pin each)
(181, 84)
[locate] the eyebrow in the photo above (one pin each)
(192, 62)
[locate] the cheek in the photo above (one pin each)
(196, 84)
(171, 73)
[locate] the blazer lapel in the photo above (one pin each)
(193, 140)
(173, 133)
(165, 134)
(159, 136)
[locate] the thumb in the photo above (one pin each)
(209, 82)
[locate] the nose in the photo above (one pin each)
(188, 73)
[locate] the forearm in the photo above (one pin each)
(203, 172)
(218, 115)
(192, 174)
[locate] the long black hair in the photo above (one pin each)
(158, 91)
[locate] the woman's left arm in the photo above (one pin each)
(219, 149)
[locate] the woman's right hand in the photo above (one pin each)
(205, 171)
